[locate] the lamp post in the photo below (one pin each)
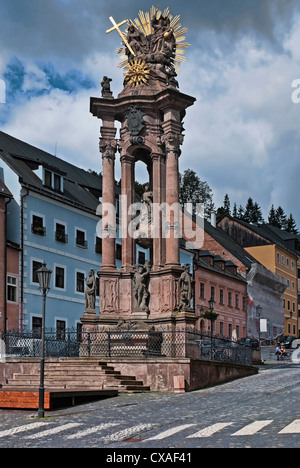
(44, 276)
(212, 316)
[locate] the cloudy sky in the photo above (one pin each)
(242, 135)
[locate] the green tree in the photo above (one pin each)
(193, 190)
(272, 219)
(225, 209)
(291, 225)
(281, 218)
(253, 212)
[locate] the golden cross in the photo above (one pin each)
(117, 27)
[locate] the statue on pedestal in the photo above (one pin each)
(186, 291)
(141, 285)
(90, 292)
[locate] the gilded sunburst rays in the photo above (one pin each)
(136, 72)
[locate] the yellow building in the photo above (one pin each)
(284, 263)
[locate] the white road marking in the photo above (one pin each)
(210, 430)
(126, 433)
(253, 428)
(171, 432)
(18, 430)
(293, 428)
(91, 430)
(54, 430)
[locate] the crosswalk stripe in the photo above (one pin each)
(54, 430)
(127, 433)
(171, 432)
(18, 430)
(91, 430)
(293, 428)
(210, 430)
(253, 428)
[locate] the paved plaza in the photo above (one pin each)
(257, 411)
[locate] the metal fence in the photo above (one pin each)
(112, 343)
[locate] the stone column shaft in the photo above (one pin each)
(108, 147)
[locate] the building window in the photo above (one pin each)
(221, 296)
(80, 282)
(48, 178)
(80, 239)
(119, 254)
(35, 266)
(230, 299)
(53, 180)
(282, 260)
(37, 226)
(237, 301)
(202, 291)
(60, 330)
(278, 258)
(230, 330)
(59, 277)
(57, 182)
(98, 246)
(288, 263)
(141, 257)
(12, 289)
(221, 328)
(60, 233)
(212, 293)
(37, 327)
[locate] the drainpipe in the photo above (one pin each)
(5, 267)
(23, 195)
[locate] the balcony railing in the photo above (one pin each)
(61, 237)
(38, 230)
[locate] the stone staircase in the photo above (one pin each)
(77, 374)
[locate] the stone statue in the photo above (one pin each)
(90, 291)
(105, 84)
(144, 238)
(185, 285)
(141, 285)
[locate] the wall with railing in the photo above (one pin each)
(127, 343)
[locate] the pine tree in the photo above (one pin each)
(256, 216)
(281, 218)
(225, 209)
(235, 211)
(272, 219)
(248, 210)
(291, 225)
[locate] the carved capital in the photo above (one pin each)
(172, 142)
(108, 148)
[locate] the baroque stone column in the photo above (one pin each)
(127, 192)
(108, 147)
(172, 141)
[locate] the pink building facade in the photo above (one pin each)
(9, 269)
(218, 279)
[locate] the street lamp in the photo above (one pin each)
(212, 316)
(258, 315)
(44, 276)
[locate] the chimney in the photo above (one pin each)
(213, 219)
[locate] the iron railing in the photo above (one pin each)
(127, 343)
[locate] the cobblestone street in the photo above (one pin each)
(258, 411)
